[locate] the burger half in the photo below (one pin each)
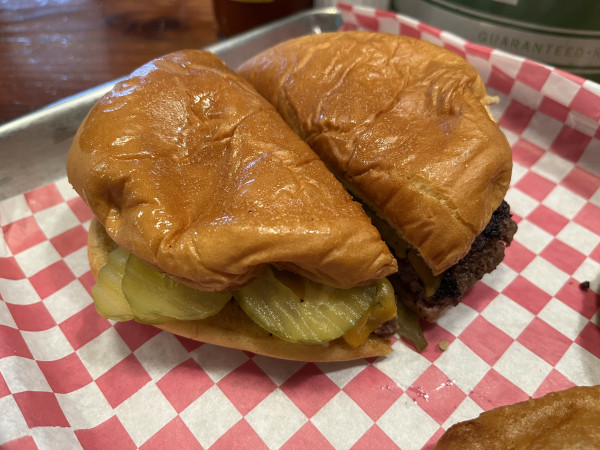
(405, 126)
(215, 221)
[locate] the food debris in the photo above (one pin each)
(443, 345)
(584, 286)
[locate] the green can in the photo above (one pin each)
(563, 34)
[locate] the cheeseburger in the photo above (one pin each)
(405, 126)
(215, 221)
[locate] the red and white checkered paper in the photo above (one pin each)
(71, 379)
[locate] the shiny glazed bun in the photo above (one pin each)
(232, 328)
(403, 123)
(186, 166)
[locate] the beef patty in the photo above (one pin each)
(487, 251)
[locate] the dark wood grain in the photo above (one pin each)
(55, 48)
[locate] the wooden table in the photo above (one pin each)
(52, 49)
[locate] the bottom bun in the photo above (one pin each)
(232, 328)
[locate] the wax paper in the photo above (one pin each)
(72, 379)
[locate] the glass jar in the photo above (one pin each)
(235, 16)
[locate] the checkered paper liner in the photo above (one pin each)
(71, 379)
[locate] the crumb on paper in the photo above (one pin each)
(443, 345)
(584, 285)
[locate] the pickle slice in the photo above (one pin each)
(322, 314)
(410, 327)
(107, 294)
(155, 298)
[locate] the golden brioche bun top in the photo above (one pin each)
(403, 122)
(190, 169)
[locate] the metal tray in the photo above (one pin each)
(33, 148)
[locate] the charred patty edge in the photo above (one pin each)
(486, 253)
